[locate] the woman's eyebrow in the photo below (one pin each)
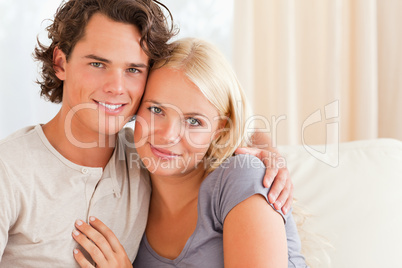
(194, 114)
(153, 101)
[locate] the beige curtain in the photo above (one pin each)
(321, 71)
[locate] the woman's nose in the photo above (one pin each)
(172, 131)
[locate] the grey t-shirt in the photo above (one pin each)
(235, 180)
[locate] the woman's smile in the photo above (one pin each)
(162, 153)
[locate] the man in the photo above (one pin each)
(81, 163)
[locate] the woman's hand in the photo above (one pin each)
(101, 243)
(276, 176)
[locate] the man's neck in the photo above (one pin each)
(85, 148)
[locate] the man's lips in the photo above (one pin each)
(110, 107)
(162, 153)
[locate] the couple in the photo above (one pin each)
(214, 211)
(78, 164)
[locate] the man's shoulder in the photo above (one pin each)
(18, 134)
(20, 138)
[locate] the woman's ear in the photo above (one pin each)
(59, 63)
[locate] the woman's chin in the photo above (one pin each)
(167, 172)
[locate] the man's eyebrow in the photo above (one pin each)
(131, 65)
(97, 58)
(138, 65)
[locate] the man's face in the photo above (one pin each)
(104, 77)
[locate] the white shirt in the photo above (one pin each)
(42, 194)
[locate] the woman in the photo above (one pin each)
(208, 209)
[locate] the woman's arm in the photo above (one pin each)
(101, 243)
(254, 235)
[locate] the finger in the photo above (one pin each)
(270, 160)
(278, 189)
(271, 170)
(107, 233)
(278, 185)
(270, 174)
(288, 204)
(247, 150)
(97, 238)
(284, 188)
(82, 261)
(97, 255)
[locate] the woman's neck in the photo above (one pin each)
(173, 194)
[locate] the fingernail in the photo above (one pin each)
(285, 210)
(76, 233)
(75, 251)
(92, 218)
(78, 222)
(278, 204)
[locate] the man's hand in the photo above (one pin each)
(277, 175)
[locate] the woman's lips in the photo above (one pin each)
(165, 154)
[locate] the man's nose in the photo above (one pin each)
(115, 82)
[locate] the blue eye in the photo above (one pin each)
(193, 122)
(96, 64)
(155, 110)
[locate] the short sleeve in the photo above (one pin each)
(241, 177)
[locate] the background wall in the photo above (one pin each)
(20, 22)
(322, 71)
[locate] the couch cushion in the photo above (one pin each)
(356, 204)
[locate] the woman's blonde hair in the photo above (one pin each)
(206, 67)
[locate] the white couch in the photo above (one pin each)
(356, 205)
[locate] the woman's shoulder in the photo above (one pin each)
(236, 179)
(236, 174)
(241, 165)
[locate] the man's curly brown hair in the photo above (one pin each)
(69, 24)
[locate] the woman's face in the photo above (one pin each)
(175, 124)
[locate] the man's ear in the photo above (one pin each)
(59, 63)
